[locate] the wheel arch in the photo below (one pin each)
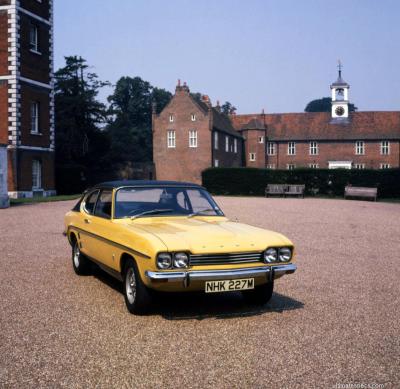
(72, 238)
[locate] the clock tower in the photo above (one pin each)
(340, 97)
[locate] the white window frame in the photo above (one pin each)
(271, 166)
(271, 148)
(35, 114)
(385, 166)
(171, 139)
(171, 118)
(291, 148)
(360, 147)
(290, 166)
(313, 165)
(227, 143)
(252, 157)
(260, 139)
(235, 145)
(193, 138)
(359, 166)
(216, 163)
(314, 148)
(385, 147)
(216, 140)
(36, 174)
(34, 38)
(193, 117)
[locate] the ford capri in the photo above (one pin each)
(172, 237)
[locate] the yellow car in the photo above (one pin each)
(172, 237)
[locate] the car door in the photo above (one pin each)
(87, 237)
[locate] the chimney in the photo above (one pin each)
(218, 107)
(180, 88)
(206, 100)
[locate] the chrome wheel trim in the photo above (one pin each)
(77, 254)
(130, 285)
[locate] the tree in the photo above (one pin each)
(130, 126)
(227, 108)
(324, 105)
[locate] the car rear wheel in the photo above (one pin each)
(79, 262)
(260, 295)
(137, 296)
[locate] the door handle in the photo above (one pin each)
(87, 221)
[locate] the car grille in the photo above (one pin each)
(225, 259)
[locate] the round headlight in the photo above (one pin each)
(285, 254)
(164, 261)
(181, 260)
(271, 255)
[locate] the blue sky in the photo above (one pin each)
(271, 54)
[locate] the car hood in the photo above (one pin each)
(201, 236)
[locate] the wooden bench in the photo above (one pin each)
(358, 191)
(295, 190)
(275, 189)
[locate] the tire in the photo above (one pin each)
(137, 296)
(260, 295)
(80, 263)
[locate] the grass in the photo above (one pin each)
(43, 199)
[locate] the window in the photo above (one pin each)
(271, 148)
(271, 166)
(171, 118)
(192, 138)
(359, 166)
(235, 145)
(216, 163)
(290, 166)
(216, 140)
(227, 143)
(103, 206)
(252, 157)
(90, 202)
(385, 147)
(171, 140)
(260, 139)
(360, 149)
(35, 117)
(193, 117)
(292, 148)
(36, 174)
(313, 148)
(34, 38)
(385, 165)
(313, 165)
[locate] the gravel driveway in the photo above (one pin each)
(335, 321)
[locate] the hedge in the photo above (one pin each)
(252, 181)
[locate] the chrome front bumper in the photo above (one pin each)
(269, 272)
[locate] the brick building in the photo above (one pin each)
(26, 95)
(336, 139)
(190, 136)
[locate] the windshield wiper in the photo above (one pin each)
(151, 212)
(200, 213)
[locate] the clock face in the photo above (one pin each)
(339, 111)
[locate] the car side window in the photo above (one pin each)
(103, 206)
(90, 202)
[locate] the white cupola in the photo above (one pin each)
(340, 97)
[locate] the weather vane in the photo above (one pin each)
(340, 67)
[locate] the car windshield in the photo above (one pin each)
(164, 201)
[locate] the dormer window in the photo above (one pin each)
(193, 117)
(171, 118)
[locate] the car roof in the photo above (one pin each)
(144, 183)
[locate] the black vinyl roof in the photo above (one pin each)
(144, 183)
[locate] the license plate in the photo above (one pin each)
(229, 285)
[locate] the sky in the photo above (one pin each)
(275, 55)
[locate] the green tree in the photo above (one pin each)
(227, 108)
(130, 126)
(324, 105)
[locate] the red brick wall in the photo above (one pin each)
(181, 163)
(334, 151)
(3, 43)
(230, 158)
(40, 9)
(3, 112)
(34, 66)
(5, 2)
(28, 95)
(252, 145)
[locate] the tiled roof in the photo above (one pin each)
(254, 124)
(320, 126)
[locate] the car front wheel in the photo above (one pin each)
(260, 295)
(137, 297)
(79, 262)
